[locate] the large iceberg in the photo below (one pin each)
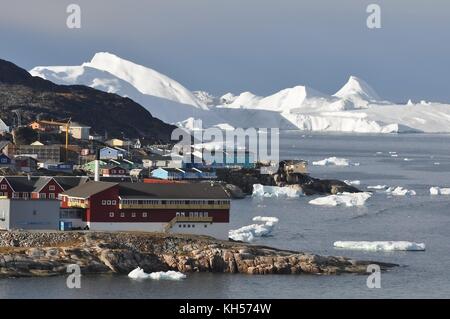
(380, 245)
(139, 273)
(275, 191)
(342, 199)
(400, 191)
(250, 232)
(435, 190)
(336, 161)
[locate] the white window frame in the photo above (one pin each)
(144, 215)
(4, 187)
(111, 214)
(103, 202)
(51, 188)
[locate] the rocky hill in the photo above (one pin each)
(104, 112)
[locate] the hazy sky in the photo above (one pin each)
(246, 45)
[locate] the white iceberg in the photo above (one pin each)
(250, 232)
(343, 199)
(139, 273)
(435, 190)
(336, 161)
(355, 182)
(400, 191)
(275, 191)
(380, 245)
(377, 187)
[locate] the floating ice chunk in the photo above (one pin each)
(379, 153)
(275, 191)
(437, 163)
(377, 187)
(392, 152)
(250, 232)
(355, 182)
(407, 159)
(139, 273)
(400, 191)
(380, 245)
(343, 199)
(439, 191)
(336, 161)
(394, 155)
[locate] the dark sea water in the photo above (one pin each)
(304, 227)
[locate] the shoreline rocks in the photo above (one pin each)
(49, 253)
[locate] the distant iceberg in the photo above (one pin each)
(250, 232)
(139, 273)
(380, 245)
(275, 191)
(439, 191)
(343, 199)
(336, 161)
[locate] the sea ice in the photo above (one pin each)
(439, 191)
(377, 187)
(250, 232)
(355, 182)
(139, 273)
(275, 191)
(380, 245)
(343, 199)
(400, 191)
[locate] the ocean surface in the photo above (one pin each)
(304, 227)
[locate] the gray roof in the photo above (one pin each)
(88, 189)
(35, 183)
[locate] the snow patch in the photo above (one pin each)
(343, 199)
(250, 232)
(275, 191)
(380, 245)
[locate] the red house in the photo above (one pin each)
(115, 171)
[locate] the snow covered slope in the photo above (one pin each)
(355, 108)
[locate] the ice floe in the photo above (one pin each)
(377, 187)
(343, 199)
(336, 161)
(250, 232)
(275, 191)
(139, 273)
(435, 190)
(380, 245)
(400, 191)
(355, 182)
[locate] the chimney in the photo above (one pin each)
(97, 167)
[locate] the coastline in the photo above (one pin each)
(34, 253)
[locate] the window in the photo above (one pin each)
(111, 214)
(42, 195)
(4, 186)
(133, 214)
(51, 195)
(177, 214)
(206, 225)
(51, 188)
(25, 195)
(144, 215)
(122, 214)
(1, 194)
(103, 202)
(108, 202)
(205, 214)
(113, 202)
(193, 226)
(184, 225)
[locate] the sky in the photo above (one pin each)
(246, 45)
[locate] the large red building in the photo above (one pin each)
(196, 208)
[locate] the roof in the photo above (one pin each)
(68, 182)
(3, 144)
(172, 191)
(156, 157)
(35, 183)
(88, 189)
(115, 179)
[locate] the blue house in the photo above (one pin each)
(110, 153)
(176, 173)
(167, 173)
(5, 160)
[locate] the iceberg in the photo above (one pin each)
(435, 190)
(342, 199)
(380, 245)
(250, 232)
(275, 191)
(139, 273)
(400, 191)
(336, 161)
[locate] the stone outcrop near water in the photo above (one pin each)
(25, 253)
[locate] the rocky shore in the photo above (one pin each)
(25, 253)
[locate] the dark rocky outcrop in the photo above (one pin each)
(49, 253)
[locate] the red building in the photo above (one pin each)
(115, 171)
(197, 208)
